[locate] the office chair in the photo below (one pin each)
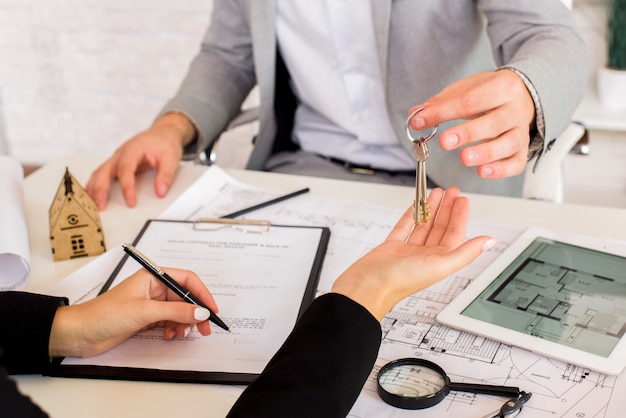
(546, 182)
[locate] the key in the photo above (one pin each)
(421, 209)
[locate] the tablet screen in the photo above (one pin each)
(559, 292)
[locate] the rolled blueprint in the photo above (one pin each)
(14, 250)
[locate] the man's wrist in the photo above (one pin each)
(184, 128)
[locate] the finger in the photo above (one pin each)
(403, 227)
(464, 254)
(489, 125)
(127, 169)
(503, 168)
(462, 101)
(99, 184)
(174, 313)
(511, 144)
(473, 96)
(444, 214)
(194, 285)
(421, 232)
(456, 227)
(165, 175)
(176, 330)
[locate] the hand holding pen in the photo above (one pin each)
(168, 281)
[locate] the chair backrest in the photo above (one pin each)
(546, 182)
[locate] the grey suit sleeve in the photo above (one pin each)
(541, 41)
(220, 76)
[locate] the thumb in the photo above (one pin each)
(469, 251)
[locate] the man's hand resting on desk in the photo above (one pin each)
(136, 304)
(499, 113)
(159, 147)
(407, 262)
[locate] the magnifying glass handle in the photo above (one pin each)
(496, 390)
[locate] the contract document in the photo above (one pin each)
(262, 278)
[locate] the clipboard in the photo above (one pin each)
(262, 276)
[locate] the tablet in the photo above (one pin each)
(559, 295)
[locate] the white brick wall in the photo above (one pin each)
(85, 75)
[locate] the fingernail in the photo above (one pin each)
(418, 123)
(472, 157)
(201, 314)
(187, 331)
(487, 245)
(161, 189)
(487, 171)
(451, 141)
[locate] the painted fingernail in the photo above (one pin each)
(201, 314)
(487, 245)
(187, 331)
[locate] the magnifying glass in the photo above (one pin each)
(412, 383)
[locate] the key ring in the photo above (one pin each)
(407, 127)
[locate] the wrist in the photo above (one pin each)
(65, 340)
(179, 125)
(376, 299)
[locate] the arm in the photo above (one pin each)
(322, 366)
(24, 346)
(541, 52)
(44, 327)
(24, 338)
(211, 94)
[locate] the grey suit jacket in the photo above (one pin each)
(423, 46)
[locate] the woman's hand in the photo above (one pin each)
(413, 257)
(138, 303)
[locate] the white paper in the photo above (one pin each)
(559, 389)
(14, 249)
(258, 301)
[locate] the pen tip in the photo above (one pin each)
(229, 331)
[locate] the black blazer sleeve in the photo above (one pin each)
(25, 331)
(321, 368)
(24, 336)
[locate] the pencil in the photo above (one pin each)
(267, 203)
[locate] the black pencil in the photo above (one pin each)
(264, 204)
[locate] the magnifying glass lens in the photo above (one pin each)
(412, 381)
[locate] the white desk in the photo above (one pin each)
(95, 398)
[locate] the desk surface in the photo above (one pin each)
(95, 398)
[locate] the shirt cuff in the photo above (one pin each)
(538, 132)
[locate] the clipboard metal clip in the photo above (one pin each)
(248, 226)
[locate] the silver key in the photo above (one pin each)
(421, 209)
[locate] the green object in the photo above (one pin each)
(616, 34)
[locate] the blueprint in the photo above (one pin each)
(410, 329)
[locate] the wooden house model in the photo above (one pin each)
(75, 227)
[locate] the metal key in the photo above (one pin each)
(421, 209)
